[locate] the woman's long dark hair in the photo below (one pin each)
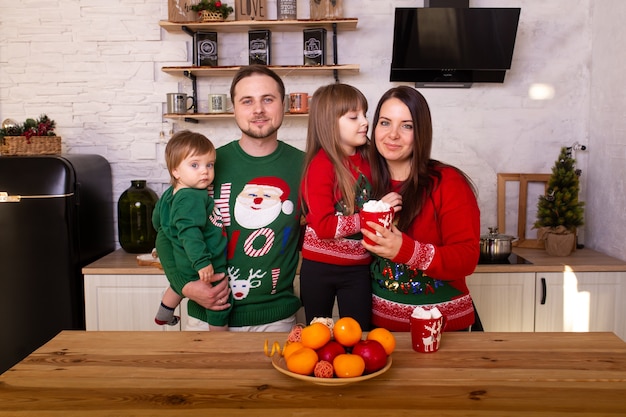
(424, 174)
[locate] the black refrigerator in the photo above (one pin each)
(56, 216)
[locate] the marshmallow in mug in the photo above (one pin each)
(376, 206)
(422, 313)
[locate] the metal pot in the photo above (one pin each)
(494, 246)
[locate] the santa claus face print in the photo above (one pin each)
(195, 171)
(258, 206)
(258, 106)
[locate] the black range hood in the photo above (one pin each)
(453, 46)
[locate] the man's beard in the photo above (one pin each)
(261, 134)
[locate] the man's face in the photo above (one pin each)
(258, 106)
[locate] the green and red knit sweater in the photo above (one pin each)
(438, 251)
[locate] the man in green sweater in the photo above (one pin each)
(256, 190)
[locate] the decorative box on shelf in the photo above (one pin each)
(251, 10)
(33, 137)
(326, 9)
(35, 145)
(180, 11)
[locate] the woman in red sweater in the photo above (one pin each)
(435, 241)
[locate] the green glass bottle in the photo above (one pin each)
(134, 218)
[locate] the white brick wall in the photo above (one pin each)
(95, 68)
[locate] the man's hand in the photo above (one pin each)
(213, 297)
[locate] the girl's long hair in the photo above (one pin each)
(424, 173)
(328, 104)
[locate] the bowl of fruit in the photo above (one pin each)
(333, 353)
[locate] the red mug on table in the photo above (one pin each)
(426, 329)
(375, 211)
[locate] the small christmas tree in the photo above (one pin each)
(560, 205)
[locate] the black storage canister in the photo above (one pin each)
(134, 218)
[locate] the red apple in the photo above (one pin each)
(330, 350)
(373, 353)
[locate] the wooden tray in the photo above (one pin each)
(147, 259)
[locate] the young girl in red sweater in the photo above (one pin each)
(425, 257)
(335, 185)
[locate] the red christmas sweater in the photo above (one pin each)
(438, 251)
(330, 236)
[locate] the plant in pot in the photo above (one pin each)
(559, 212)
(212, 10)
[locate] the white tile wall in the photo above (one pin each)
(95, 67)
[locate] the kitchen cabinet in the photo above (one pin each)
(577, 301)
(505, 301)
(125, 302)
(549, 301)
(130, 302)
(121, 295)
(583, 292)
(192, 72)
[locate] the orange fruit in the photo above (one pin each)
(290, 348)
(302, 361)
(348, 366)
(315, 335)
(347, 331)
(384, 337)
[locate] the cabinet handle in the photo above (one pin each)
(544, 291)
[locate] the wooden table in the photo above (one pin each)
(226, 374)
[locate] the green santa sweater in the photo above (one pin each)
(258, 200)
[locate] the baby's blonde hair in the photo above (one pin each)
(183, 144)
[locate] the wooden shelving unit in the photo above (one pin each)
(238, 26)
(198, 117)
(282, 70)
(245, 25)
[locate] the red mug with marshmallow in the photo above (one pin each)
(426, 329)
(375, 211)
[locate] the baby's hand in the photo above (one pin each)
(206, 273)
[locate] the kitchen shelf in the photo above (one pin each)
(282, 70)
(236, 26)
(198, 117)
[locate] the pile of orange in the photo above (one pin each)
(301, 356)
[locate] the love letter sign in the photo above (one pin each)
(250, 9)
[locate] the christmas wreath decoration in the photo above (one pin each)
(43, 126)
(215, 6)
